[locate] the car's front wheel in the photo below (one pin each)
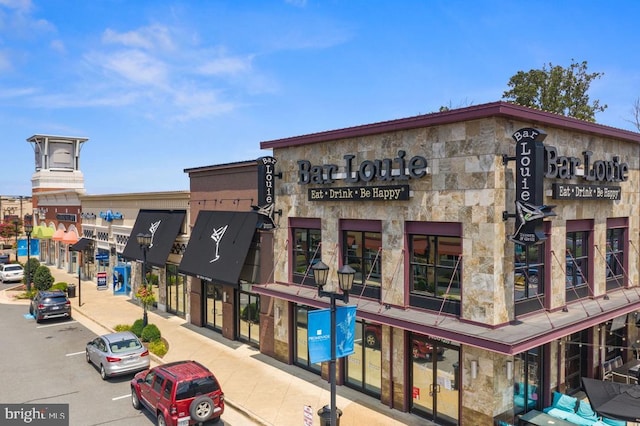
(134, 399)
(86, 355)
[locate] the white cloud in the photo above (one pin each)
(152, 37)
(228, 65)
(58, 46)
(135, 67)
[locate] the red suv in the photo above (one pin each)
(179, 394)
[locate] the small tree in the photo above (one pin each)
(556, 89)
(42, 278)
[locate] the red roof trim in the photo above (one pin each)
(495, 109)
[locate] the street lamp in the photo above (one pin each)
(345, 281)
(27, 229)
(16, 223)
(144, 240)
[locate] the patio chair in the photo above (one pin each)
(607, 371)
(617, 362)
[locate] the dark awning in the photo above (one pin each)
(218, 245)
(163, 225)
(82, 244)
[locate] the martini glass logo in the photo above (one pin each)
(217, 237)
(153, 228)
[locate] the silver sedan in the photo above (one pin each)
(117, 354)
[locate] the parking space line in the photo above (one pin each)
(115, 398)
(57, 324)
(76, 353)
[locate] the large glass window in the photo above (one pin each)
(575, 356)
(306, 252)
(527, 376)
(364, 366)
(578, 261)
(616, 257)
(362, 252)
(528, 271)
(301, 346)
(176, 291)
(435, 265)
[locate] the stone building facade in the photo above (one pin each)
(455, 315)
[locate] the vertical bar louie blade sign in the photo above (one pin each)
(530, 209)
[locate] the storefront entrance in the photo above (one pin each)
(213, 306)
(435, 379)
(248, 316)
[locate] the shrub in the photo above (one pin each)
(30, 268)
(42, 278)
(137, 327)
(60, 286)
(150, 333)
(122, 327)
(158, 348)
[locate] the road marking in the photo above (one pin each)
(57, 324)
(121, 397)
(76, 353)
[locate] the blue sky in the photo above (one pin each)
(159, 86)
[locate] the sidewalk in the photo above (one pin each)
(268, 392)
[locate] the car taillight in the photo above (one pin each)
(40, 306)
(67, 303)
(173, 409)
(145, 353)
(113, 359)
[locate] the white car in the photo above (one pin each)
(11, 272)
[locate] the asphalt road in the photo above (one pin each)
(45, 364)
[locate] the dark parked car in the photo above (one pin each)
(179, 393)
(50, 304)
(4, 258)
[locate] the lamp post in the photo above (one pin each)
(144, 240)
(16, 223)
(27, 229)
(345, 281)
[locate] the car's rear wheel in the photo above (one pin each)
(201, 408)
(134, 399)
(161, 420)
(103, 372)
(86, 355)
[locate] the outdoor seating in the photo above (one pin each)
(607, 371)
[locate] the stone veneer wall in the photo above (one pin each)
(466, 183)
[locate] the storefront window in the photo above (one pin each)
(527, 381)
(176, 291)
(575, 355)
(577, 264)
(364, 366)
(435, 265)
(363, 252)
(301, 347)
(615, 257)
(306, 252)
(213, 313)
(528, 271)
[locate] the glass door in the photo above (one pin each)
(213, 308)
(249, 317)
(435, 379)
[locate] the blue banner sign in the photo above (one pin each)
(319, 333)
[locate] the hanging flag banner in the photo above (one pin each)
(345, 330)
(319, 333)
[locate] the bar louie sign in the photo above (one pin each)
(398, 169)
